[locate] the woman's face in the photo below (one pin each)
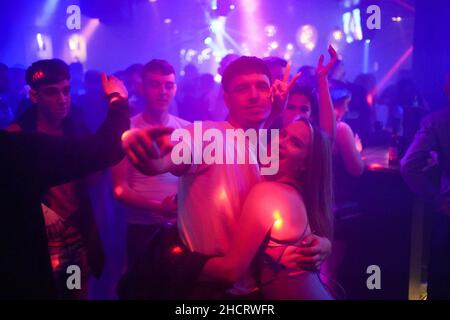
(298, 106)
(295, 146)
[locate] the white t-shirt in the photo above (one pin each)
(152, 187)
(210, 199)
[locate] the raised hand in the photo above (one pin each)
(280, 89)
(111, 84)
(143, 146)
(323, 70)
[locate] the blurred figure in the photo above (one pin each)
(405, 105)
(308, 76)
(133, 82)
(187, 97)
(347, 162)
(218, 110)
(362, 106)
(90, 108)
(337, 73)
(428, 156)
(73, 238)
(6, 110)
(276, 66)
(207, 88)
(76, 74)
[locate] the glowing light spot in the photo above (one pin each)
(397, 19)
(278, 220)
(338, 35)
(310, 46)
(176, 250)
(375, 166)
(74, 42)
(118, 191)
(125, 135)
(274, 45)
(40, 41)
(307, 36)
(232, 7)
(218, 25)
(270, 30)
(369, 99)
(207, 40)
(38, 75)
(223, 195)
(55, 261)
(167, 20)
(289, 46)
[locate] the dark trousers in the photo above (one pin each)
(138, 237)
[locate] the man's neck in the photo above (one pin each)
(49, 126)
(155, 118)
(239, 125)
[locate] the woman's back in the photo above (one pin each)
(279, 279)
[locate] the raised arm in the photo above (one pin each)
(327, 118)
(149, 151)
(49, 160)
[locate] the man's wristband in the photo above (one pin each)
(113, 97)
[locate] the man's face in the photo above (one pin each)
(53, 99)
(159, 90)
(249, 99)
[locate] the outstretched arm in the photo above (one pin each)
(49, 160)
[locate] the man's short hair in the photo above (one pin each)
(244, 65)
(273, 61)
(44, 72)
(158, 66)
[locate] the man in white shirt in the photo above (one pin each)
(149, 200)
(211, 195)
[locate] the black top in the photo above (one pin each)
(29, 165)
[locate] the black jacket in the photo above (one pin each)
(29, 165)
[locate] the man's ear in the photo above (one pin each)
(33, 95)
(175, 87)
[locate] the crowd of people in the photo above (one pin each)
(209, 230)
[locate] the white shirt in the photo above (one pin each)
(210, 199)
(152, 187)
